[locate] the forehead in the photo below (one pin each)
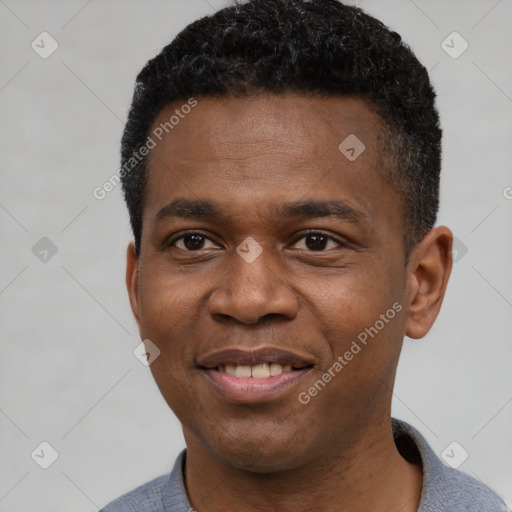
(219, 124)
(269, 149)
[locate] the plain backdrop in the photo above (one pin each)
(68, 374)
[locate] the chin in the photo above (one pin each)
(256, 451)
(256, 461)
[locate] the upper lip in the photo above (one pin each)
(254, 357)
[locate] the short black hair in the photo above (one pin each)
(308, 47)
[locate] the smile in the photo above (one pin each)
(258, 371)
(251, 389)
(257, 376)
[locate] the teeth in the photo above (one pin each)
(242, 371)
(276, 369)
(230, 369)
(258, 371)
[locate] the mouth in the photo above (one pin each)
(257, 376)
(257, 371)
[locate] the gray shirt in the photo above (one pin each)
(444, 489)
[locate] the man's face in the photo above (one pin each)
(213, 302)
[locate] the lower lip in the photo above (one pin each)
(248, 390)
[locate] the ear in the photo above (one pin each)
(132, 281)
(430, 265)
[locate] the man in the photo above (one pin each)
(281, 164)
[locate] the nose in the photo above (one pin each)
(248, 292)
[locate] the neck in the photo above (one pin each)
(364, 472)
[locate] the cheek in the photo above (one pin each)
(167, 299)
(365, 307)
(169, 310)
(363, 327)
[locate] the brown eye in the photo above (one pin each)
(191, 242)
(318, 242)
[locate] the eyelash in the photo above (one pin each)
(170, 243)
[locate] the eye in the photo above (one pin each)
(191, 241)
(316, 241)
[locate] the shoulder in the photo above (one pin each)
(444, 489)
(163, 494)
(465, 493)
(145, 498)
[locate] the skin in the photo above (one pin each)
(249, 155)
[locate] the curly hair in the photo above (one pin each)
(309, 47)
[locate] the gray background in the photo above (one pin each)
(68, 373)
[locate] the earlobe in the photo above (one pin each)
(132, 281)
(429, 270)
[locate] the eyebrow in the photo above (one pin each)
(313, 209)
(182, 208)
